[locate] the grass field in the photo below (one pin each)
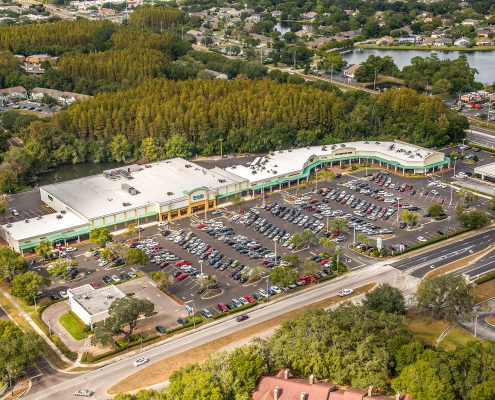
(161, 370)
(490, 320)
(484, 291)
(426, 329)
(456, 336)
(72, 326)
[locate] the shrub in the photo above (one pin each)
(435, 239)
(383, 252)
(69, 354)
(486, 278)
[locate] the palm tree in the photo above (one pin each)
(326, 243)
(337, 253)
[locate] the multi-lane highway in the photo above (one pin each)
(103, 378)
(421, 264)
(480, 267)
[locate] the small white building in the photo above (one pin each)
(91, 305)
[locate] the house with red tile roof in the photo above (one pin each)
(284, 386)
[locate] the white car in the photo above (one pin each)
(14, 212)
(84, 393)
(70, 249)
(132, 274)
(276, 289)
(162, 223)
(103, 263)
(140, 361)
(434, 192)
(345, 292)
(264, 293)
(63, 294)
(216, 212)
(422, 239)
(115, 278)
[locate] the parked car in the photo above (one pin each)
(222, 307)
(182, 321)
(160, 329)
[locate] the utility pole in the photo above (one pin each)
(487, 117)
(331, 74)
(261, 55)
(374, 82)
(294, 61)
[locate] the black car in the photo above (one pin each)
(107, 280)
(182, 321)
(402, 225)
(241, 318)
(160, 329)
(213, 285)
(441, 232)
(258, 296)
(165, 233)
(124, 276)
(54, 297)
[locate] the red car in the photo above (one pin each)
(201, 226)
(156, 247)
(397, 205)
(180, 263)
(440, 200)
(377, 180)
(264, 196)
(265, 262)
(377, 197)
(313, 201)
(94, 285)
(250, 299)
(210, 250)
(182, 276)
(222, 307)
(409, 187)
(323, 262)
(381, 183)
(335, 233)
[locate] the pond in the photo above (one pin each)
(67, 172)
(481, 60)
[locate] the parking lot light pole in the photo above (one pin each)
(455, 162)
(398, 200)
(201, 264)
(476, 324)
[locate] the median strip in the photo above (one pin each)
(161, 370)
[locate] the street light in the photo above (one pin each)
(221, 149)
(476, 325)
(455, 162)
(201, 264)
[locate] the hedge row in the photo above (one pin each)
(132, 344)
(435, 240)
(69, 354)
(486, 278)
(235, 310)
(477, 146)
(199, 320)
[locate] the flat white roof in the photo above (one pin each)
(96, 301)
(48, 225)
(292, 162)
(97, 196)
(488, 169)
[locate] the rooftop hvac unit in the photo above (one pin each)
(147, 166)
(129, 189)
(170, 193)
(188, 165)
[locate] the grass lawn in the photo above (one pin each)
(426, 329)
(72, 326)
(484, 291)
(456, 336)
(490, 320)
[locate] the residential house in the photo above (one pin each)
(484, 32)
(32, 68)
(276, 14)
(216, 74)
(107, 12)
(351, 12)
(351, 71)
(464, 4)
(20, 57)
(385, 41)
(470, 22)
(38, 58)
(407, 39)
(309, 16)
(283, 386)
(428, 41)
(199, 14)
(62, 97)
(407, 29)
(462, 42)
(443, 42)
(351, 34)
(438, 34)
(484, 42)
(13, 93)
(304, 33)
(317, 42)
(264, 40)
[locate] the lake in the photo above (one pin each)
(67, 172)
(481, 60)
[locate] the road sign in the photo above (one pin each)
(188, 309)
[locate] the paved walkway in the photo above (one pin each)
(483, 329)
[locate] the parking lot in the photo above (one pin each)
(320, 213)
(29, 106)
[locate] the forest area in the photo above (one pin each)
(155, 98)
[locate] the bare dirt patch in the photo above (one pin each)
(161, 371)
(212, 293)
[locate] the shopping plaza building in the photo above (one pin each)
(169, 189)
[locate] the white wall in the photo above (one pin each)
(80, 312)
(52, 201)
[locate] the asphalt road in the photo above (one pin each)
(429, 260)
(103, 378)
(480, 267)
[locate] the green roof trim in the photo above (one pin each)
(193, 190)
